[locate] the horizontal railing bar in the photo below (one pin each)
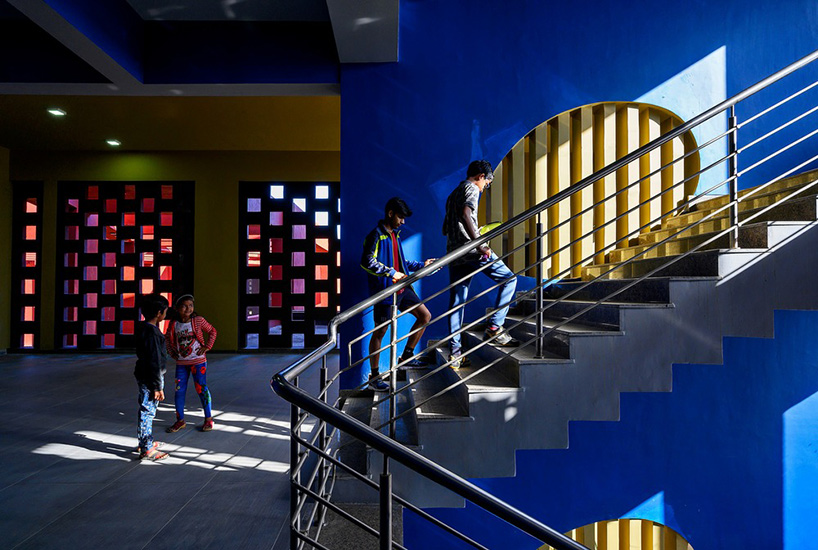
(775, 131)
(309, 540)
(777, 105)
(778, 152)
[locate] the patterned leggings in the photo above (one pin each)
(183, 372)
(144, 417)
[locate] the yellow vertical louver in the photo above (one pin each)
(571, 146)
(627, 534)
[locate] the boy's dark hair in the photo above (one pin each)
(398, 206)
(478, 167)
(152, 305)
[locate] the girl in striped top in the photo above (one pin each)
(188, 340)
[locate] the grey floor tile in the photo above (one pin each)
(27, 508)
(121, 515)
(253, 506)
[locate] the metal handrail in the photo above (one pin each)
(283, 382)
(298, 367)
(423, 466)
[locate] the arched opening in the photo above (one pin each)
(573, 145)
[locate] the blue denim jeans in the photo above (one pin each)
(144, 418)
(458, 294)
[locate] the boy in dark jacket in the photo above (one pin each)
(150, 373)
(383, 260)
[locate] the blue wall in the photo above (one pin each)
(728, 459)
(475, 76)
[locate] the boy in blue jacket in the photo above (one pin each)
(383, 260)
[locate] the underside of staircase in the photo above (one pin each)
(678, 315)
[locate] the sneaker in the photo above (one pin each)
(208, 425)
(501, 337)
(178, 425)
(458, 361)
(378, 385)
(415, 363)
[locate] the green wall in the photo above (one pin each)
(216, 176)
(5, 250)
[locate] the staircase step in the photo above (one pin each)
(792, 183)
(428, 381)
(606, 315)
(799, 208)
(555, 346)
(479, 380)
(406, 429)
(754, 239)
(703, 263)
(653, 290)
(353, 452)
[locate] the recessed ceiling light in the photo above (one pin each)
(57, 112)
(113, 142)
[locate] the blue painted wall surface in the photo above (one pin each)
(475, 76)
(728, 459)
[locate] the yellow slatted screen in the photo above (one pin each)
(627, 534)
(571, 146)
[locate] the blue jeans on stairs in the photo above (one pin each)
(458, 294)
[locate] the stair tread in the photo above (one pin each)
(572, 328)
(524, 355)
(489, 380)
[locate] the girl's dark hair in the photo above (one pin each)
(478, 167)
(174, 315)
(152, 305)
(398, 206)
(182, 298)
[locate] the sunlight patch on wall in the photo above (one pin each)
(691, 92)
(800, 433)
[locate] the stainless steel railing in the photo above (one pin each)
(321, 451)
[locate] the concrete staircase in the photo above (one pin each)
(628, 344)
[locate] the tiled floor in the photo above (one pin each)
(69, 477)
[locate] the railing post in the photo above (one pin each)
(295, 476)
(732, 144)
(385, 507)
(539, 274)
(393, 369)
(322, 441)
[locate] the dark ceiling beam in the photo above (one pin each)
(174, 90)
(106, 34)
(366, 31)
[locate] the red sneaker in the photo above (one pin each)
(208, 425)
